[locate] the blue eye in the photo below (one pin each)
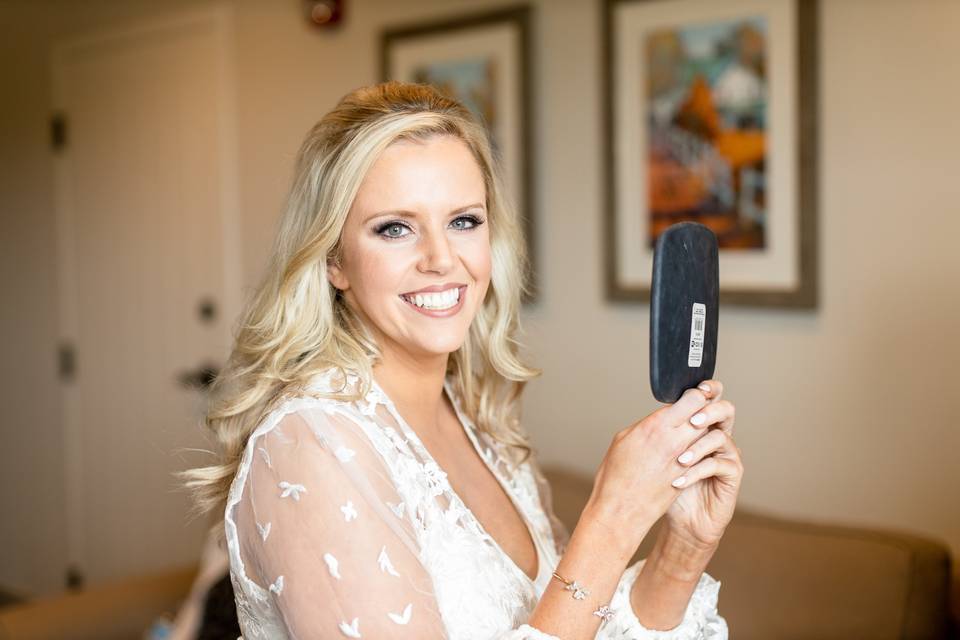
(472, 220)
(393, 226)
(393, 230)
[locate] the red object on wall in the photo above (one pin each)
(324, 13)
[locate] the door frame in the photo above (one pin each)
(219, 16)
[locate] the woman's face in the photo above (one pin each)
(416, 248)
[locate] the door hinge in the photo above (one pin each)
(58, 131)
(67, 362)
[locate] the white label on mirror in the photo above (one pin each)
(697, 324)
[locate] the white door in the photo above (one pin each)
(148, 270)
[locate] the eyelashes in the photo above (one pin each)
(381, 230)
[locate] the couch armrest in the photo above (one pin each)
(783, 578)
(120, 610)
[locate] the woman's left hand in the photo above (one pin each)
(700, 514)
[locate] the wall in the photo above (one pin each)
(843, 413)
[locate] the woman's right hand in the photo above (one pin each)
(632, 488)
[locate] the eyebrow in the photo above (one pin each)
(401, 213)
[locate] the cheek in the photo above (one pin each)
(479, 262)
(380, 269)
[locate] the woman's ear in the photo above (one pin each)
(336, 276)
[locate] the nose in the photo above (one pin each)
(436, 253)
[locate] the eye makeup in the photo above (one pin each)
(475, 221)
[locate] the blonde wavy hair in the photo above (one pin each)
(295, 324)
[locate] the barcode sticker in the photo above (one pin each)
(697, 324)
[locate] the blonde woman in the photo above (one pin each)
(375, 479)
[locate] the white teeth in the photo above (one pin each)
(437, 301)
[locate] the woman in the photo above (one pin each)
(376, 480)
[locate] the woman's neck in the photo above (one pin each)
(416, 388)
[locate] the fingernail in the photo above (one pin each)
(686, 457)
(679, 482)
(698, 419)
(704, 387)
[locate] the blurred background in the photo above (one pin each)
(125, 264)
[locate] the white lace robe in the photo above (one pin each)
(339, 523)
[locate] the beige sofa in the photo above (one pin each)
(781, 579)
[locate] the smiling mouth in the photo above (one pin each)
(437, 303)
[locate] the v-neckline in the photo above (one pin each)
(476, 446)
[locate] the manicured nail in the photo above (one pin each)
(704, 387)
(686, 457)
(698, 419)
(679, 482)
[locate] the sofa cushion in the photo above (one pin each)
(787, 579)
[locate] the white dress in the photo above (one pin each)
(339, 523)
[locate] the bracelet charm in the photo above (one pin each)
(604, 612)
(579, 592)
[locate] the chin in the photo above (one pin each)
(440, 348)
(433, 344)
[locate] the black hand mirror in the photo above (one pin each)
(684, 301)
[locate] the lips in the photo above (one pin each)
(435, 288)
(433, 302)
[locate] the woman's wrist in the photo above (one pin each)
(680, 559)
(666, 581)
(605, 524)
(595, 557)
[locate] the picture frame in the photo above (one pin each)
(484, 60)
(710, 115)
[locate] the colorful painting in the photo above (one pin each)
(706, 118)
(711, 119)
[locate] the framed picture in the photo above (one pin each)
(710, 118)
(483, 60)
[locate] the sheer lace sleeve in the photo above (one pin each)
(326, 538)
(323, 530)
(700, 621)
